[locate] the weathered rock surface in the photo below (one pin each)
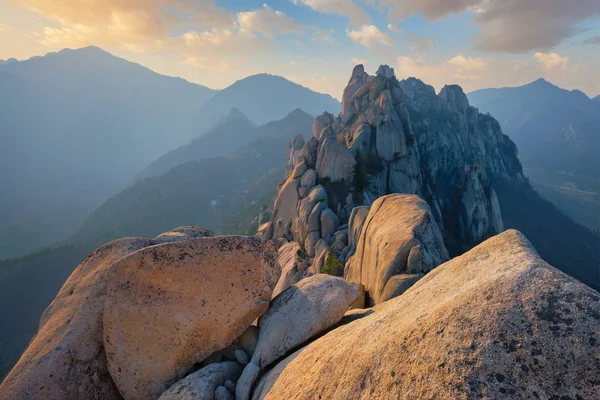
(399, 242)
(496, 323)
(66, 359)
(334, 161)
(290, 274)
(202, 384)
(355, 224)
(172, 305)
(298, 314)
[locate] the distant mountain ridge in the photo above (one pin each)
(265, 98)
(233, 131)
(557, 133)
(553, 128)
(71, 122)
(78, 125)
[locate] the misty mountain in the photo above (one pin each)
(232, 131)
(265, 98)
(557, 133)
(203, 193)
(553, 128)
(76, 126)
(597, 99)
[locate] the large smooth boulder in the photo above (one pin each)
(201, 385)
(300, 313)
(66, 358)
(170, 306)
(497, 323)
(334, 161)
(399, 236)
(285, 207)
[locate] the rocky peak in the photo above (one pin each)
(398, 137)
(454, 95)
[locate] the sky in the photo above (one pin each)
(316, 43)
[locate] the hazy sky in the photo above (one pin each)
(475, 43)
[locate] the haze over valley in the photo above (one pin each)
(342, 199)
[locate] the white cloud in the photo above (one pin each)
(268, 22)
(346, 8)
(418, 43)
(370, 36)
(324, 36)
(468, 63)
(5, 27)
(513, 26)
(392, 28)
(223, 43)
(552, 61)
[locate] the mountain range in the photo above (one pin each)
(557, 133)
(78, 125)
(198, 191)
(219, 161)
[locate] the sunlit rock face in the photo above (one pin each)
(399, 137)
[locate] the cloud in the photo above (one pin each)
(468, 63)
(5, 27)
(356, 61)
(592, 40)
(218, 42)
(208, 63)
(346, 8)
(324, 36)
(552, 61)
(268, 22)
(418, 43)
(370, 36)
(511, 26)
(130, 24)
(393, 29)
(431, 9)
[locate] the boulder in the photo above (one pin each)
(297, 315)
(334, 161)
(311, 242)
(355, 224)
(284, 209)
(289, 272)
(397, 226)
(496, 323)
(170, 306)
(222, 393)
(329, 222)
(314, 219)
(309, 179)
(321, 122)
(248, 340)
(309, 151)
(202, 384)
(305, 208)
(66, 358)
(321, 251)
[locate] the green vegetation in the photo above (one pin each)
(331, 265)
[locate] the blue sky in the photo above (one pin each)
(475, 43)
